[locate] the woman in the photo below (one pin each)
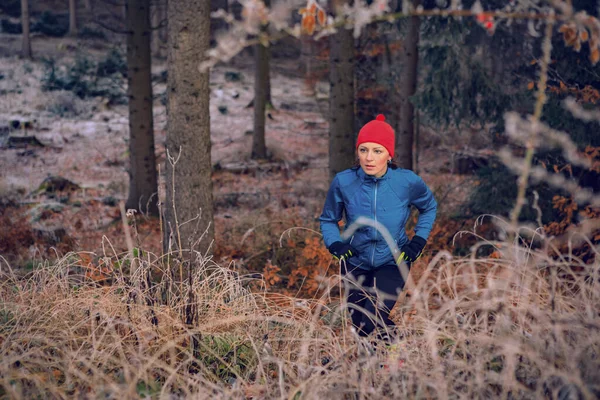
(379, 190)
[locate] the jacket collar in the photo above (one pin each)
(368, 178)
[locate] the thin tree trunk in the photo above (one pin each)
(261, 89)
(189, 200)
(72, 17)
(409, 59)
(26, 42)
(143, 187)
(158, 18)
(341, 102)
(164, 32)
(88, 5)
(306, 56)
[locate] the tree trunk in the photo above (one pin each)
(189, 201)
(409, 59)
(342, 151)
(262, 90)
(143, 187)
(158, 19)
(72, 17)
(88, 5)
(26, 42)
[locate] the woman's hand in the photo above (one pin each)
(412, 250)
(341, 250)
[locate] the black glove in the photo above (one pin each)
(342, 250)
(412, 250)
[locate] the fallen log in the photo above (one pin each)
(20, 142)
(245, 167)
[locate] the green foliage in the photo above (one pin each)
(473, 78)
(12, 8)
(582, 133)
(227, 356)
(7, 320)
(148, 389)
(461, 81)
(114, 63)
(51, 24)
(9, 27)
(497, 192)
(86, 79)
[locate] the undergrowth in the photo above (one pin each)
(522, 323)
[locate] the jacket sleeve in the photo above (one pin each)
(422, 198)
(332, 213)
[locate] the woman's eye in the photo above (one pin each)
(377, 151)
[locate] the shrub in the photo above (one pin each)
(89, 33)
(50, 24)
(65, 104)
(83, 80)
(114, 63)
(9, 27)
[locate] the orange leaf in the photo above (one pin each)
(321, 17)
(308, 24)
(594, 56)
(562, 85)
(530, 85)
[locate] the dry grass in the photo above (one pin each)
(524, 325)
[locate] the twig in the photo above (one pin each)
(173, 162)
(539, 104)
(128, 239)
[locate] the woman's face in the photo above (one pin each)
(373, 159)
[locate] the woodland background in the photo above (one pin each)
(97, 99)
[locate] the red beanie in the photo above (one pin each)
(378, 131)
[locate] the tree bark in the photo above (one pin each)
(72, 17)
(26, 42)
(143, 187)
(409, 59)
(342, 138)
(189, 200)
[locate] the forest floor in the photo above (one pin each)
(85, 142)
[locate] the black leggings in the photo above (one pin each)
(371, 295)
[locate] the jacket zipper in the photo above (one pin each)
(375, 218)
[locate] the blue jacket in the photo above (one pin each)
(386, 200)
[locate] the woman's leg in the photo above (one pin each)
(388, 284)
(358, 284)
